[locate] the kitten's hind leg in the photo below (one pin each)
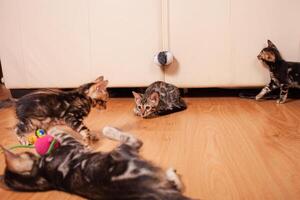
(124, 138)
(174, 178)
(284, 90)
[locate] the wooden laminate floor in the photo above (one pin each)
(224, 148)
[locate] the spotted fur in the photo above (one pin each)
(117, 175)
(160, 98)
(284, 75)
(45, 108)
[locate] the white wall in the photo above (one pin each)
(200, 40)
(216, 42)
(44, 43)
(64, 43)
(255, 21)
(125, 35)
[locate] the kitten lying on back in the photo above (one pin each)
(44, 108)
(160, 98)
(117, 175)
(284, 75)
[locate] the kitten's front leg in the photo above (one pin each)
(262, 93)
(77, 125)
(268, 88)
(136, 112)
(284, 90)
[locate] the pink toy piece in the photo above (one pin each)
(42, 144)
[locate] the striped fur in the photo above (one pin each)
(117, 175)
(283, 74)
(45, 108)
(160, 98)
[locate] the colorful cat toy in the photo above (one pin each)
(44, 144)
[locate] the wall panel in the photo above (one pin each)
(125, 35)
(200, 41)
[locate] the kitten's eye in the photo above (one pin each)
(139, 107)
(147, 107)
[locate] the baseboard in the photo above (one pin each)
(1, 73)
(187, 92)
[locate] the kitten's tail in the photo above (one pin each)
(8, 103)
(253, 95)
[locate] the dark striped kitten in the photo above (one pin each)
(160, 98)
(284, 75)
(45, 108)
(117, 175)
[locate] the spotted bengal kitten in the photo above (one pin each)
(45, 108)
(120, 174)
(284, 75)
(160, 98)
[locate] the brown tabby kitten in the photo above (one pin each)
(160, 98)
(117, 175)
(44, 108)
(283, 74)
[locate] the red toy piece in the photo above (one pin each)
(45, 145)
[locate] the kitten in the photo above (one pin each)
(160, 98)
(45, 108)
(284, 75)
(120, 174)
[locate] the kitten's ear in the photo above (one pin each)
(102, 85)
(137, 96)
(154, 97)
(85, 88)
(105, 83)
(20, 164)
(100, 78)
(270, 44)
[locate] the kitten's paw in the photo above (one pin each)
(280, 101)
(23, 140)
(173, 177)
(258, 97)
(93, 137)
(86, 141)
(90, 139)
(137, 113)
